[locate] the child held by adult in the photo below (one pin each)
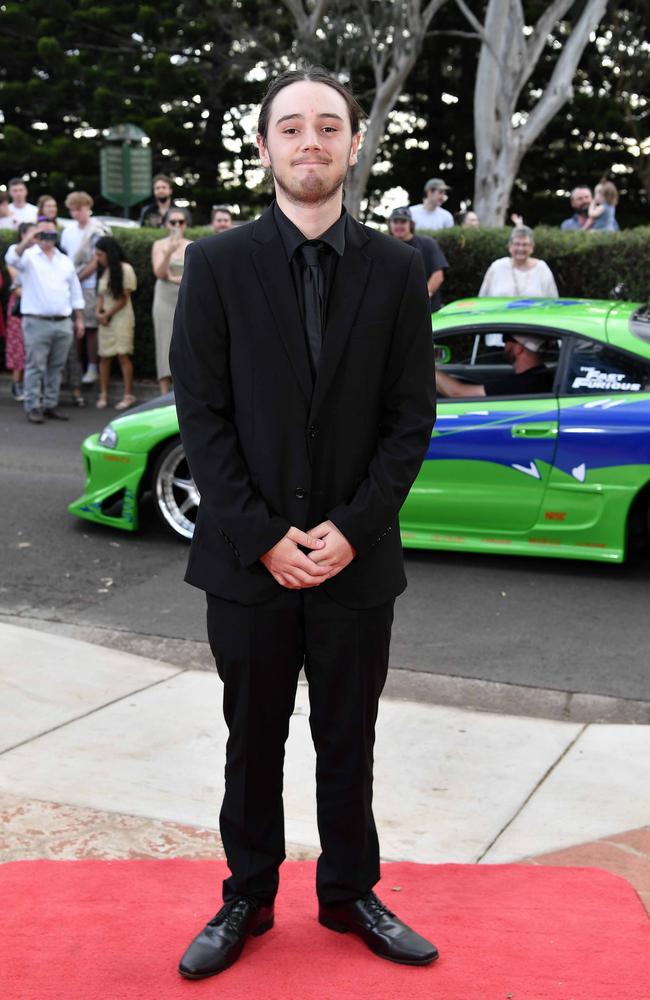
(116, 281)
(602, 210)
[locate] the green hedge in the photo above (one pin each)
(585, 265)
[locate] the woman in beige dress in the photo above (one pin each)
(115, 319)
(167, 261)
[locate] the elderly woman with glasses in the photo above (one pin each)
(167, 261)
(520, 275)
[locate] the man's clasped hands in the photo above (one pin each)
(330, 552)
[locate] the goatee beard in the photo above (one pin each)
(310, 190)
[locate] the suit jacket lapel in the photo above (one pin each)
(346, 295)
(270, 262)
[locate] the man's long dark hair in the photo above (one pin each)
(312, 74)
(115, 255)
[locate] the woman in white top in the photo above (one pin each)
(520, 275)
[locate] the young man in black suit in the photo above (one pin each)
(303, 371)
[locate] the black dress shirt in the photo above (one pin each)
(534, 380)
(331, 246)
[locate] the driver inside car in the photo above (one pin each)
(530, 375)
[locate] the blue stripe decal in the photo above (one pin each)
(603, 432)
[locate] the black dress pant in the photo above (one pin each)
(259, 652)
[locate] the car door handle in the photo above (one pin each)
(534, 430)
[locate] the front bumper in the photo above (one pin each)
(112, 489)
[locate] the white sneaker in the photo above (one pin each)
(90, 376)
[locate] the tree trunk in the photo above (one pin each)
(507, 60)
(495, 176)
(384, 101)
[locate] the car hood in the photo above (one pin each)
(154, 404)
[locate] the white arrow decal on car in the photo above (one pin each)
(530, 470)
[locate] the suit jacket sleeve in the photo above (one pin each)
(408, 416)
(200, 368)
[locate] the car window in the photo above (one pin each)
(596, 367)
(454, 348)
(485, 349)
(478, 357)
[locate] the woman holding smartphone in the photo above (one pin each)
(167, 261)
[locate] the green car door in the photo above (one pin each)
(490, 457)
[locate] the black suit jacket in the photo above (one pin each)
(269, 449)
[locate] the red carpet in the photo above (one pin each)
(87, 930)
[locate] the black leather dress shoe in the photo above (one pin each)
(54, 414)
(382, 931)
(221, 941)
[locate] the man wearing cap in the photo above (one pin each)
(530, 375)
(51, 297)
(402, 227)
(430, 214)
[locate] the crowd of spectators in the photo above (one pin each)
(71, 286)
(70, 296)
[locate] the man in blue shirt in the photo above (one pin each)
(580, 202)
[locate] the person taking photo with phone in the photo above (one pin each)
(52, 306)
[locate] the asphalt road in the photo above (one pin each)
(544, 624)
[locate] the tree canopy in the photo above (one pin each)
(191, 75)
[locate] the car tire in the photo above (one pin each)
(638, 527)
(175, 496)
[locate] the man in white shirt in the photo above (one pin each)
(50, 295)
(20, 209)
(78, 241)
(430, 214)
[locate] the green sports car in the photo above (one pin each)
(561, 472)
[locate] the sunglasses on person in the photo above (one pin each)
(178, 222)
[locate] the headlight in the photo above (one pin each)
(108, 437)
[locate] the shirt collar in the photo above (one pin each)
(292, 238)
(43, 254)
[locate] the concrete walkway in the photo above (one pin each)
(107, 754)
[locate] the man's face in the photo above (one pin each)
(401, 228)
(580, 199)
(18, 194)
(221, 221)
(309, 146)
(81, 214)
(162, 191)
(510, 350)
(434, 197)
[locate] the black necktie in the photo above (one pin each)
(313, 290)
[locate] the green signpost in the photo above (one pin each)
(125, 167)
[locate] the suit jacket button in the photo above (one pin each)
(299, 493)
(313, 431)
